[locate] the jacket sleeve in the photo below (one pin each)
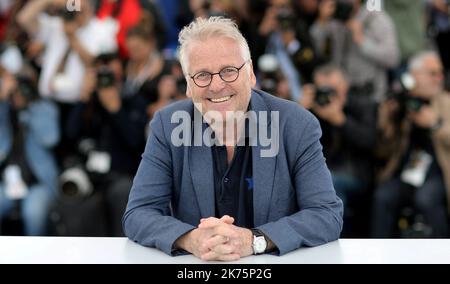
(147, 219)
(319, 219)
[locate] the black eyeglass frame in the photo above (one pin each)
(238, 69)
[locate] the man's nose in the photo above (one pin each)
(217, 83)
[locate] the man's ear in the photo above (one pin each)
(188, 90)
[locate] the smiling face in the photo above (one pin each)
(213, 55)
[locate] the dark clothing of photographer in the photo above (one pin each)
(145, 87)
(120, 134)
(114, 156)
(347, 148)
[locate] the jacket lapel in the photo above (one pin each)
(263, 167)
(201, 168)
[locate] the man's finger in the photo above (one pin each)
(215, 241)
(226, 231)
(208, 219)
(210, 223)
(214, 256)
(223, 249)
(227, 219)
(230, 257)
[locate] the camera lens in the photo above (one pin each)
(105, 78)
(75, 182)
(70, 189)
(323, 94)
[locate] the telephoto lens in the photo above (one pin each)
(75, 182)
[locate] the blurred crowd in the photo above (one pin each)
(80, 82)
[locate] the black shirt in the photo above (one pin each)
(233, 184)
(420, 140)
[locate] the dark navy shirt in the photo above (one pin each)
(233, 184)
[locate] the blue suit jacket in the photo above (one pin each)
(294, 200)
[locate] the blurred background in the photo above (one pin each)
(77, 90)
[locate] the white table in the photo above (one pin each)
(122, 250)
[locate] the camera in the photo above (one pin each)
(105, 78)
(414, 104)
(75, 182)
(401, 93)
(81, 173)
(323, 95)
(26, 88)
(66, 15)
(268, 66)
(343, 11)
(25, 92)
(286, 19)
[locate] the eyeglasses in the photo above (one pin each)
(228, 74)
(434, 73)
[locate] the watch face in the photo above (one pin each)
(260, 245)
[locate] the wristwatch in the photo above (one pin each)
(259, 242)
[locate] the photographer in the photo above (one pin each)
(115, 125)
(28, 172)
(71, 40)
(287, 37)
(348, 125)
(414, 144)
(361, 42)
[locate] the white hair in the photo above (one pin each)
(417, 61)
(202, 29)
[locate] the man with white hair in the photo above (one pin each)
(226, 197)
(418, 151)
